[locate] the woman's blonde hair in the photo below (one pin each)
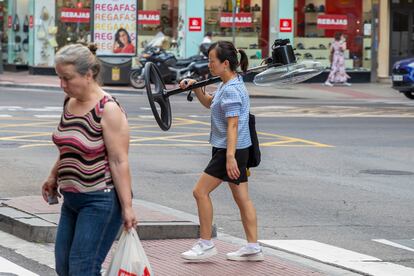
(82, 57)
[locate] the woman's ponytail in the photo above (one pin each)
(244, 61)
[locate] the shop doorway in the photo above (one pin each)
(402, 33)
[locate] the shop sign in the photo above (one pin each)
(149, 17)
(115, 27)
(31, 22)
(285, 25)
(75, 15)
(332, 22)
(9, 21)
(241, 19)
(194, 24)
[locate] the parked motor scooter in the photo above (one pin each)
(171, 69)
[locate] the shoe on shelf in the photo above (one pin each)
(328, 83)
(246, 254)
(200, 251)
(347, 83)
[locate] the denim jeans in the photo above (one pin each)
(89, 223)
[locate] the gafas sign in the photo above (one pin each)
(242, 19)
(75, 15)
(149, 17)
(332, 22)
(115, 27)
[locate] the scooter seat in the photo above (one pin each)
(184, 62)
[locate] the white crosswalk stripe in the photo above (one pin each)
(394, 244)
(41, 253)
(9, 268)
(339, 257)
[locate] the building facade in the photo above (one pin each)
(378, 32)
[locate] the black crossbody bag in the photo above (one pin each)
(254, 150)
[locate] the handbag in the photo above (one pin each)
(41, 34)
(129, 257)
(53, 42)
(26, 24)
(254, 149)
(16, 23)
(44, 14)
(52, 29)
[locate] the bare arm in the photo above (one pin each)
(204, 98)
(231, 163)
(116, 138)
(49, 186)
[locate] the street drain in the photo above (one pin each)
(387, 172)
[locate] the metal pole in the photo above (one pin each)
(1, 56)
(374, 42)
(233, 28)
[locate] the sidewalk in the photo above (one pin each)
(31, 217)
(299, 91)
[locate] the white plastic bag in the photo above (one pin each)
(129, 258)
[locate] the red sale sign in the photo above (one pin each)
(332, 22)
(195, 24)
(285, 25)
(75, 15)
(241, 19)
(149, 17)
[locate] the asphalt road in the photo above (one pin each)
(336, 171)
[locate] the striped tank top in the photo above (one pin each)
(83, 164)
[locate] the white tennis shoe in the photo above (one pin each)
(246, 254)
(200, 251)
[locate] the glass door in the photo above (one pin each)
(402, 35)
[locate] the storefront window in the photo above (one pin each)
(3, 31)
(318, 21)
(18, 32)
(73, 23)
(249, 22)
(157, 19)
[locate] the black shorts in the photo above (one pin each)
(217, 165)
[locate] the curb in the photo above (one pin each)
(42, 227)
(58, 89)
(121, 91)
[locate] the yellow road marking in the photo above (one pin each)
(37, 145)
(168, 137)
(24, 136)
(177, 136)
(26, 125)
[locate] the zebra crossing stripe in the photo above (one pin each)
(12, 269)
(339, 257)
(394, 244)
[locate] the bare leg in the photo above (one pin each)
(205, 185)
(247, 210)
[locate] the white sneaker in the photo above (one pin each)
(347, 84)
(246, 254)
(200, 251)
(327, 83)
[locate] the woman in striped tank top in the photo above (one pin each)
(92, 171)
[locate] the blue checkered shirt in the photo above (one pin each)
(230, 100)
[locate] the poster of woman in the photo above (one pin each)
(115, 25)
(123, 43)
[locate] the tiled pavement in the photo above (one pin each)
(164, 257)
(163, 254)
